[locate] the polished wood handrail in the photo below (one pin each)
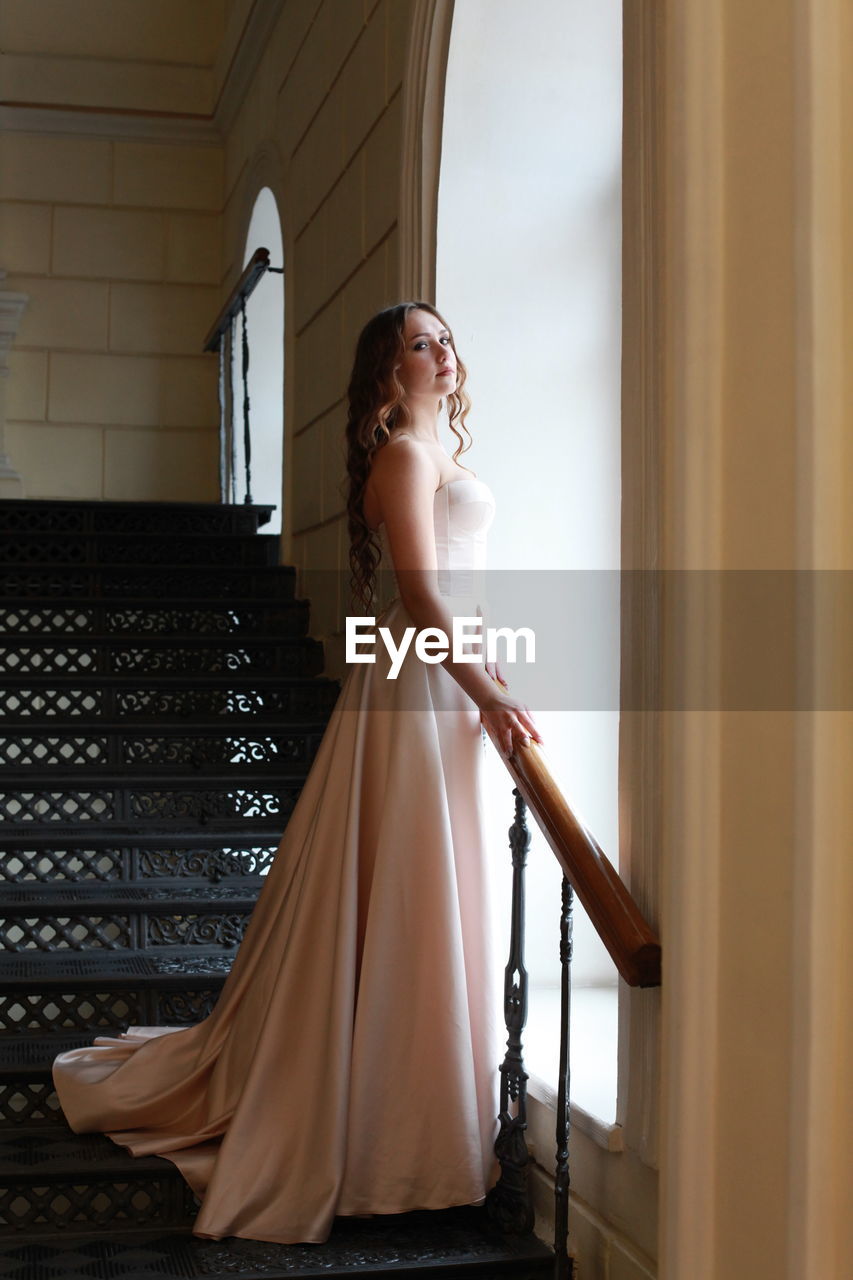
(632, 943)
(257, 265)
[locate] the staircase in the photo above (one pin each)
(161, 705)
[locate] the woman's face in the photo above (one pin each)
(428, 365)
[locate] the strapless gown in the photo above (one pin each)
(350, 1063)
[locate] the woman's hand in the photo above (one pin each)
(509, 720)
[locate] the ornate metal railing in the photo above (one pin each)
(221, 338)
(632, 944)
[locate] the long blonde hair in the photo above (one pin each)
(376, 406)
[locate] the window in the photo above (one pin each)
(528, 272)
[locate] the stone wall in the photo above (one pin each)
(116, 238)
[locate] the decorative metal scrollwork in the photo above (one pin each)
(175, 621)
(563, 1269)
(201, 930)
(184, 1008)
(211, 520)
(151, 549)
(204, 805)
(211, 864)
(509, 1202)
(184, 660)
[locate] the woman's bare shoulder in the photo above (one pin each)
(404, 461)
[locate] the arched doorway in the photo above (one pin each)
(265, 323)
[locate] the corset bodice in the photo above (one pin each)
(463, 510)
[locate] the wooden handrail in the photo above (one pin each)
(632, 943)
(255, 268)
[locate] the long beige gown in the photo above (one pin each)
(350, 1064)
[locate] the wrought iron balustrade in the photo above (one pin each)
(221, 337)
(633, 946)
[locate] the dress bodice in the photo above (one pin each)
(463, 510)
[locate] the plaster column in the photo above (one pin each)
(11, 310)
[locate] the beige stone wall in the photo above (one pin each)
(117, 246)
(321, 124)
(158, 56)
(117, 241)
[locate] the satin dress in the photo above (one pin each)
(350, 1065)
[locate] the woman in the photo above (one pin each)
(349, 1066)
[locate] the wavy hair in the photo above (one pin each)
(376, 406)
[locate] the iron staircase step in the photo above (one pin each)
(230, 801)
(445, 1244)
(58, 550)
(28, 1101)
(151, 583)
(64, 1183)
(32, 515)
(102, 992)
(91, 917)
(111, 656)
(166, 745)
(170, 967)
(46, 701)
(96, 857)
(28, 1059)
(175, 618)
(58, 899)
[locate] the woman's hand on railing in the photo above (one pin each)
(508, 720)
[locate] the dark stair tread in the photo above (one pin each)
(221, 832)
(29, 1057)
(194, 536)
(143, 640)
(178, 967)
(224, 681)
(229, 777)
(59, 898)
(146, 548)
(40, 838)
(97, 762)
(165, 604)
(447, 1243)
(263, 571)
(149, 583)
(104, 508)
(39, 858)
(58, 1152)
(179, 726)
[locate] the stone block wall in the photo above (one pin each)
(117, 245)
(324, 111)
(111, 222)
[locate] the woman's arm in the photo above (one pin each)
(405, 479)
